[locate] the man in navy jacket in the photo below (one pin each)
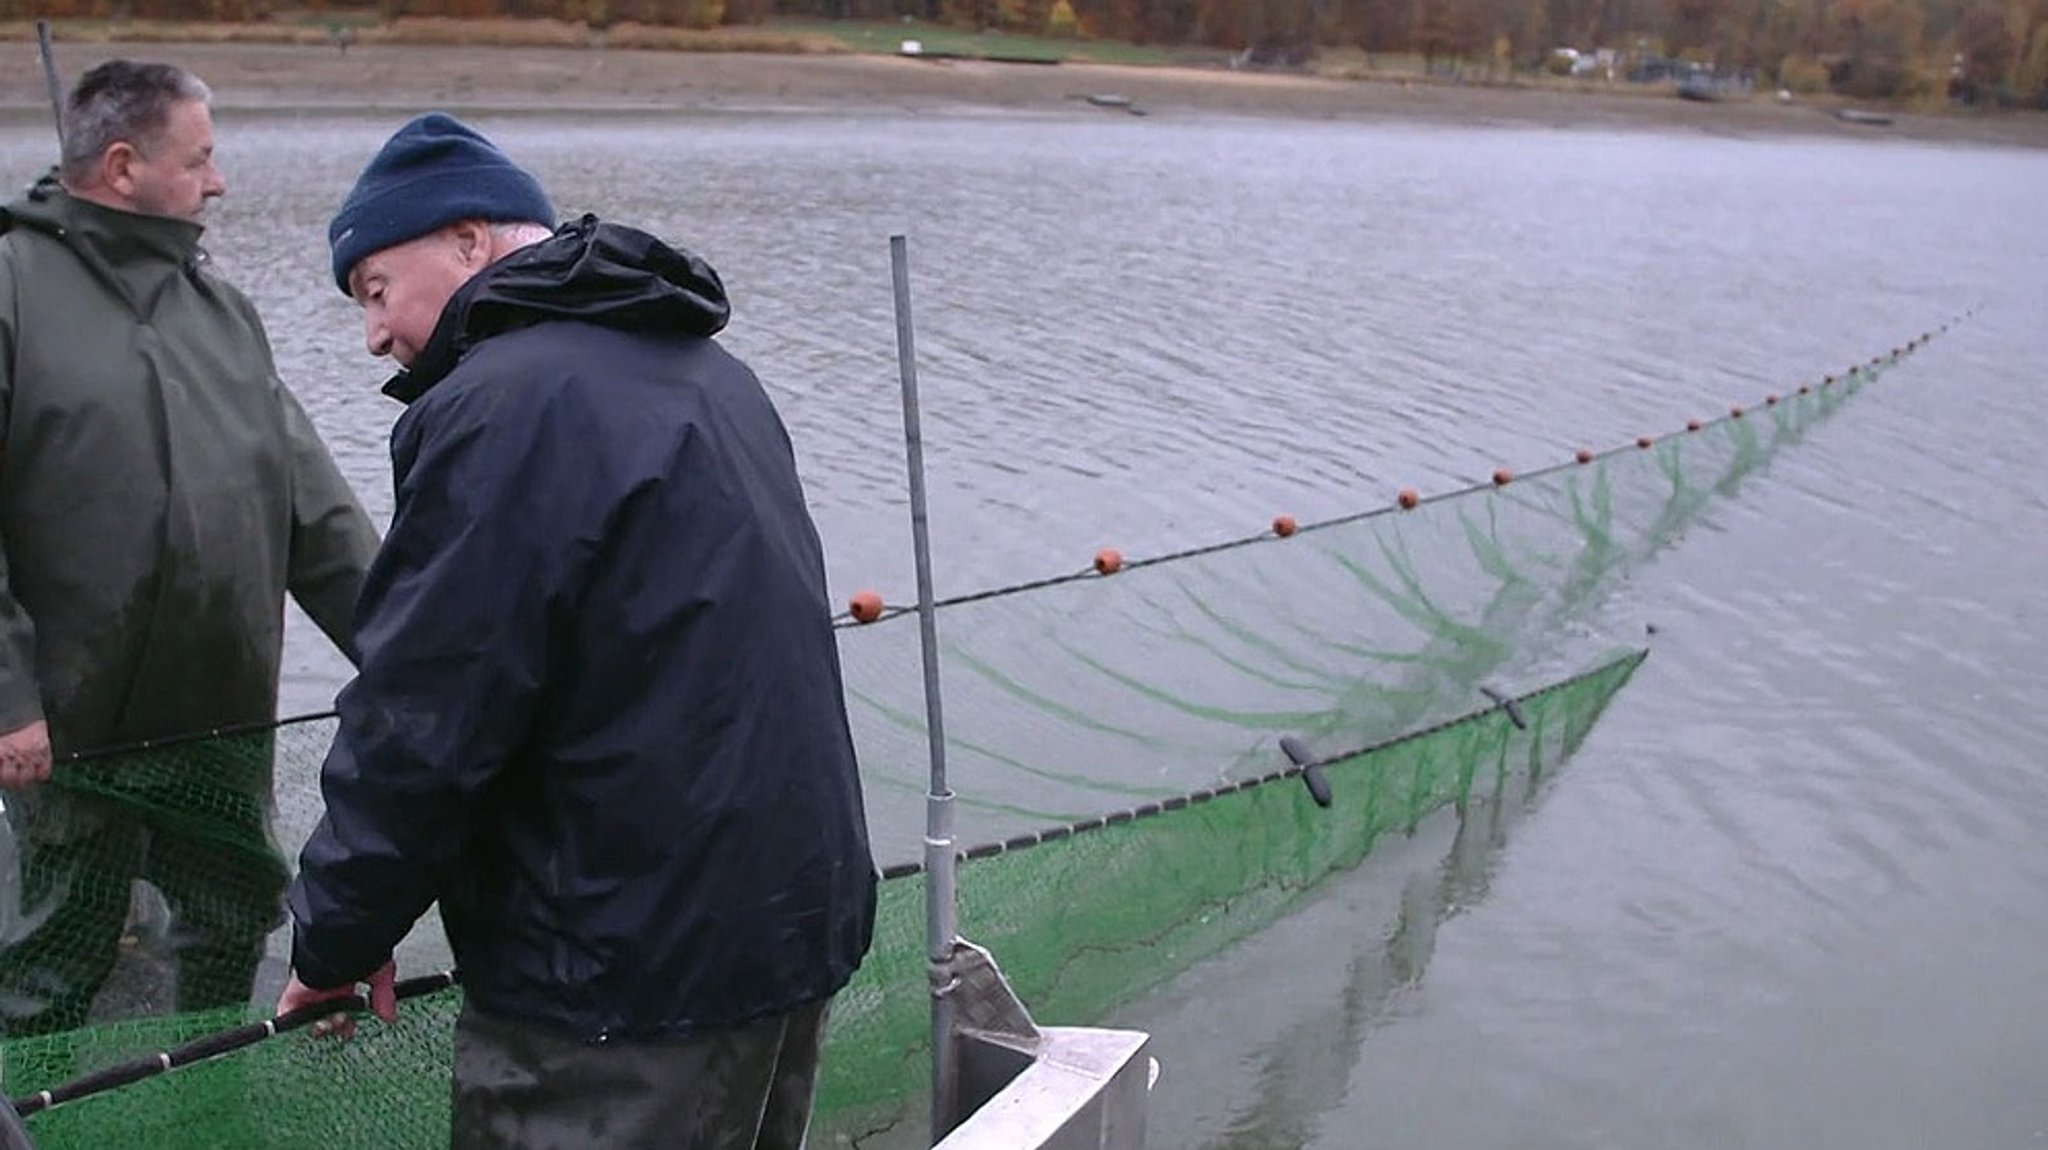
(600, 716)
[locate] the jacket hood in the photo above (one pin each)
(589, 272)
(116, 236)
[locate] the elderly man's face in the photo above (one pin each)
(174, 175)
(403, 288)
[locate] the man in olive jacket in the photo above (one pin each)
(160, 491)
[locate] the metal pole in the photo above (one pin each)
(941, 905)
(50, 79)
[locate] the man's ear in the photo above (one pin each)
(117, 168)
(472, 242)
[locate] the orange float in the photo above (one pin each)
(865, 606)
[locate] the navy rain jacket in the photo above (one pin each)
(600, 715)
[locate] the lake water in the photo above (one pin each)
(1792, 892)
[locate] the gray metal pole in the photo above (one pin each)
(50, 80)
(941, 890)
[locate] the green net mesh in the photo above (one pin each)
(1113, 741)
(1087, 920)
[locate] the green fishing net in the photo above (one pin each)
(1114, 740)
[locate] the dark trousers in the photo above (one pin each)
(521, 1087)
(221, 877)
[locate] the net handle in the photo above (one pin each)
(214, 1045)
(168, 741)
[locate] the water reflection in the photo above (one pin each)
(1290, 1080)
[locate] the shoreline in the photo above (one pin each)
(404, 78)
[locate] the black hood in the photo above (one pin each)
(589, 272)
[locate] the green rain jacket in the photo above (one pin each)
(160, 489)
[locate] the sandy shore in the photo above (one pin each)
(407, 78)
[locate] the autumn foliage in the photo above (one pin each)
(1970, 51)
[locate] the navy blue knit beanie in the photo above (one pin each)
(435, 171)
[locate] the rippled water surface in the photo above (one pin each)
(1792, 892)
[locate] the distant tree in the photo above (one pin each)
(1536, 35)
(1620, 22)
(1450, 30)
(1692, 24)
(1127, 21)
(1774, 35)
(973, 15)
(2030, 79)
(1939, 19)
(1379, 25)
(1878, 42)
(1022, 15)
(1988, 50)
(1802, 74)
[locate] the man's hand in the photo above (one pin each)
(383, 996)
(25, 756)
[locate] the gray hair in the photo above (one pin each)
(521, 234)
(119, 101)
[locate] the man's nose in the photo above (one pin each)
(376, 336)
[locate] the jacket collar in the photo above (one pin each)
(445, 348)
(117, 237)
(451, 338)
